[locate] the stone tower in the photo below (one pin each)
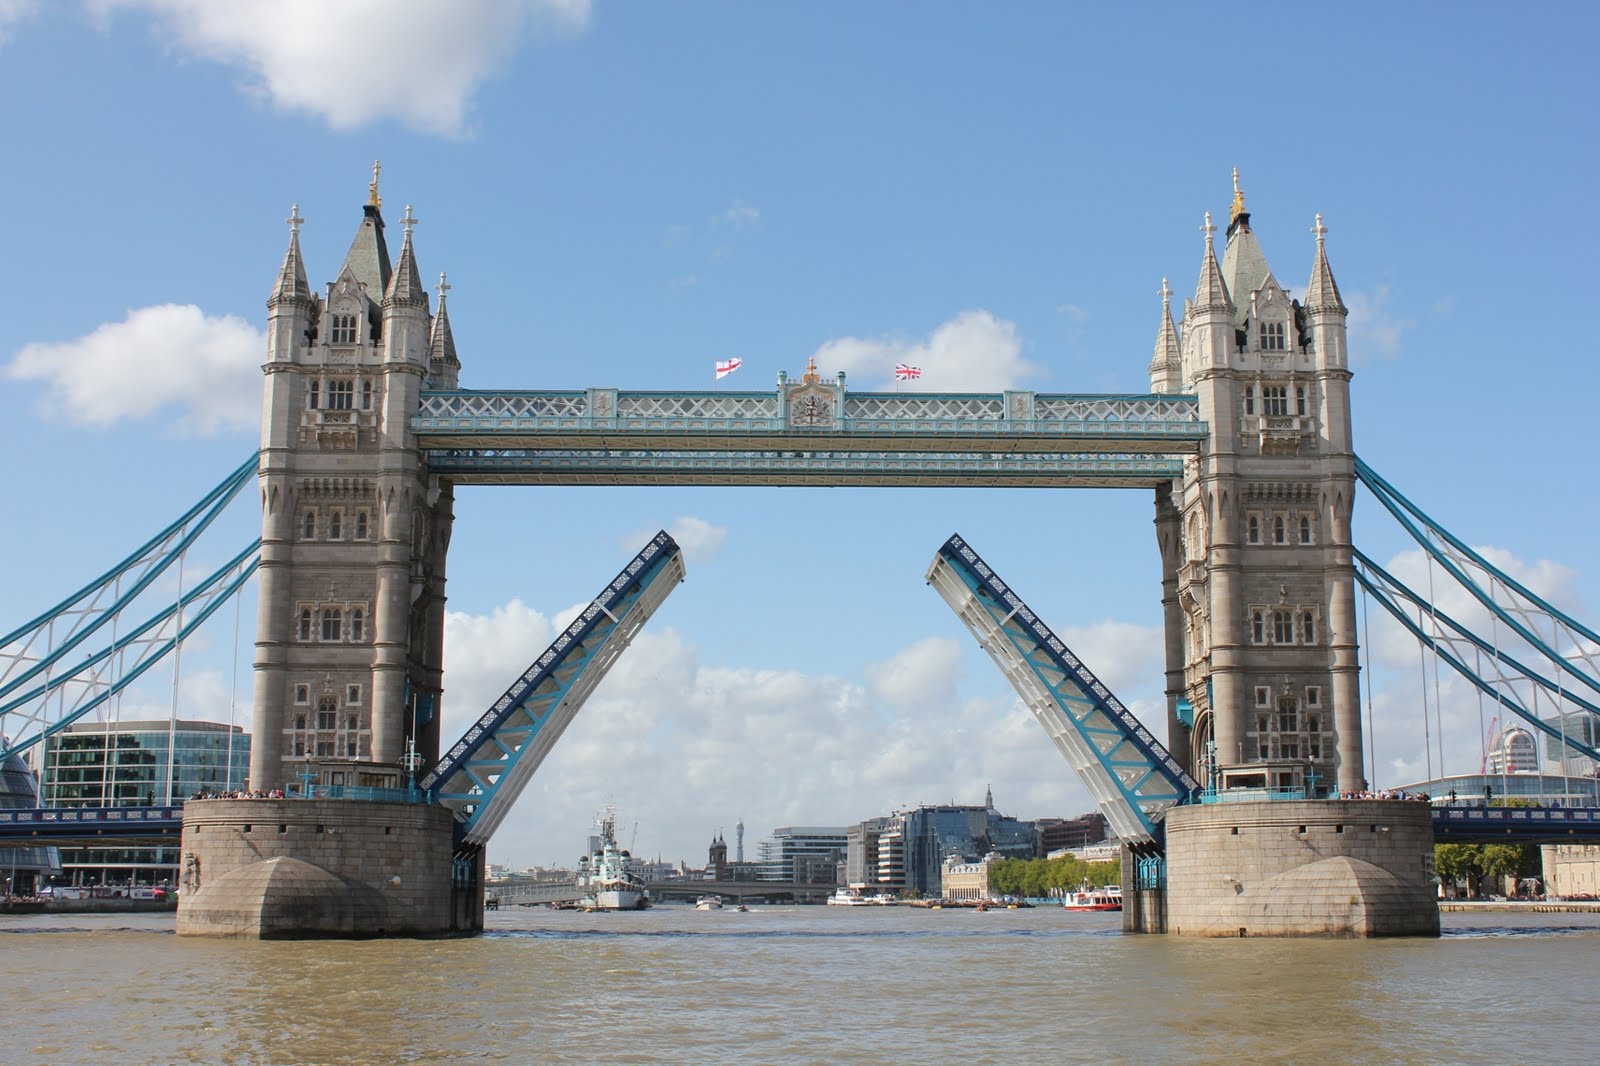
(354, 530)
(1257, 577)
(717, 858)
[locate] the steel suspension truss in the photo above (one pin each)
(1526, 629)
(487, 769)
(67, 663)
(1133, 778)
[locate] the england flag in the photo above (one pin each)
(907, 372)
(727, 366)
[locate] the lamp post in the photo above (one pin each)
(305, 778)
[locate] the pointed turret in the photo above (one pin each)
(368, 257)
(1323, 292)
(291, 286)
(405, 287)
(443, 366)
(1166, 364)
(1211, 291)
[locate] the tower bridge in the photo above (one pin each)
(1244, 442)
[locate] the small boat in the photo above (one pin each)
(740, 908)
(708, 903)
(845, 896)
(1108, 898)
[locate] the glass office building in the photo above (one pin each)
(134, 764)
(807, 855)
(22, 870)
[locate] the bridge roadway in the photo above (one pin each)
(1458, 824)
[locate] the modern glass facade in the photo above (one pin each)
(803, 854)
(935, 834)
(22, 869)
(93, 764)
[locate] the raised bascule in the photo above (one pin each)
(367, 824)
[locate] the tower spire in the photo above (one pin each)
(1323, 291)
(406, 284)
(1211, 293)
(1166, 363)
(442, 345)
(291, 284)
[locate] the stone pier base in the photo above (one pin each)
(285, 869)
(1327, 868)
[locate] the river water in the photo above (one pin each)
(799, 985)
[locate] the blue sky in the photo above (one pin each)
(624, 193)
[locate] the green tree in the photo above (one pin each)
(1458, 862)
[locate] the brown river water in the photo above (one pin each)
(800, 985)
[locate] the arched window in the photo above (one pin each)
(350, 723)
(344, 329)
(1300, 400)
(308, 528)
(358, 624)
(305, 624)
(1305, 529)
(332, 623)
(1258, 627)
(1282, 627)
(335, 526)
(327, 716)
(361, 525)
(366, 395)
(1308, 627)
(1273, 336)
(312, 395)
(341, 394)
(1279, 535)
(1253, 529)
(1275, 400)
(1249, 399)
(300, 722)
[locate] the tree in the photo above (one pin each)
(1458, 862)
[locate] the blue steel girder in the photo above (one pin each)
(1501, 694)
(610, 419)
(883, 469)
(1133, 778)
(482, 775)
(124, 825)
(1516, 825)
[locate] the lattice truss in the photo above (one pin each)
(1133, 778)
(486, 770)
(1535, 662)
(75, 658)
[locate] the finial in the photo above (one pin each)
(1208, 229)
(1165, 294)
(294, 219)
(1238, 198)
(408, 221)
(1319, 229)
(443, 287)
(373, 199)
(811, 370)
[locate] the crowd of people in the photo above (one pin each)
(1386, 794)
(239, 794)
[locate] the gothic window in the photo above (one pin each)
(312, 395)
(1263, 699)
(366, 395)
(308, 526)
(1249, 399)
(350, 723)
(352, 694)
(361, 525)
(336, 526)
(1263, 746)
(358, 625)
(1314, 696)
(325, 747)
(1305, 529)
(1275, 400)
(1313, 724)
(305, 624)
(1258, 627)
(1282, 627)
(302, 694)
(1273, 336)
(332, 623)
(299, 747)
(1252, 526)
(1308, 627)
(1279, 535)
(327, 713)
(350, 748)
(1300, 400)
(341, 394)
(300, 723)
(1288, 715)
(1289, 748)
(344, 329)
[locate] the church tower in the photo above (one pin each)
(354, 529)
(1258, 580)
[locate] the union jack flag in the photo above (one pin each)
(728, 366)
(907, 372)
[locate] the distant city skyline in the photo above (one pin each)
(626, 195)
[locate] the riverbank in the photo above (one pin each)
(1519, 906)
(87, 906)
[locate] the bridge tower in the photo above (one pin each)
(354, 532)
(1258, 581)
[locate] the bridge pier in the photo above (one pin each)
(295, 868)
(1339, 868)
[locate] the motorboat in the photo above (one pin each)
(1108, 898)
(708, 903)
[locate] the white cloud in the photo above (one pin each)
(13, 12)
(1073, 311)
(358, 61)
(687, 748)
(699, 540)
(170, 356)
(1375, 330)
(975, 351)
(742, 214)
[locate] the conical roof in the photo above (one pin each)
(291, 283)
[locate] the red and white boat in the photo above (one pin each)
(1108, 898)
